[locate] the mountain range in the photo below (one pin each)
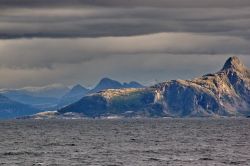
(43, 98)
(52, 97)
(224, 93)
(107, 83)
(11, 109)
(78, 91)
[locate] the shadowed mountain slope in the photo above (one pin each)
(12, 109)
(225, 93)
(75, 94)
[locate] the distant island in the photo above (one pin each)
(225, 93)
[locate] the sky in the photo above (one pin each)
(68, 42)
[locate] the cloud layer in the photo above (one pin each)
(46, 53)
(124, 3)
(44, 41)
(107, 21)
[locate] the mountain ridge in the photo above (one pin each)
(224, 93)
(78, 91)
(73, 95)
(12, 109)
(108, 83)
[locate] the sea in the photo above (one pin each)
(125, 142)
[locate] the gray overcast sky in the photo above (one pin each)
(80, 41)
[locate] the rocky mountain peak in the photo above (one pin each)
(234, 63)
(108, 81)
(78, 87)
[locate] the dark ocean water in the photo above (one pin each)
(125, 142)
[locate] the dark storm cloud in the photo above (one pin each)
(125, 3)
(96, 22)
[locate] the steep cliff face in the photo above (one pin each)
(225, 93)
